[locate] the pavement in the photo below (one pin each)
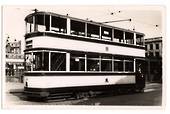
(14, 87)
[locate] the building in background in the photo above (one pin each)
(153, 47)
(14, 61)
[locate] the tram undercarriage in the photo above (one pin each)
(81, 92)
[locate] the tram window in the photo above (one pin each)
(129, 38)
(106, 63)
(93, 63)
(41, 61)
(47, 22)
(58, 24)
(28, 61)
(118, 35)
(77, 62)
(118, 64)
(106, 33)
(93, 31)
(129, 65)
(58, 62)
(139, 39)
(77, 28)
(29, 24)
(39, 22)
(42, 22)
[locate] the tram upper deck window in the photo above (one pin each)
(38, 22)
(106, 33)
(77, 28)
(29, 24)
(58, 24)
(118, 36)
(139, 39)
(129, 38)
(93, 31)
(42, 22)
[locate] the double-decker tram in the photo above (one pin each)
(69, 55)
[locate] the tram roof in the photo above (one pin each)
(82, 20)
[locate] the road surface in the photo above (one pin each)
(152, 96)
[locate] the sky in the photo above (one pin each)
(144, 18)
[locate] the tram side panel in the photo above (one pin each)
(56, 84)
(71, 44)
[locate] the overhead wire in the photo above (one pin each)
(133, 20)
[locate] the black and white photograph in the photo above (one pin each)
(83, 55)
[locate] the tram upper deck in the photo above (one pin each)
(80, 35)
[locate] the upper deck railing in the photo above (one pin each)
(55, 23)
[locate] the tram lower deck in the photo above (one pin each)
(51, 71)
(44, 84)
